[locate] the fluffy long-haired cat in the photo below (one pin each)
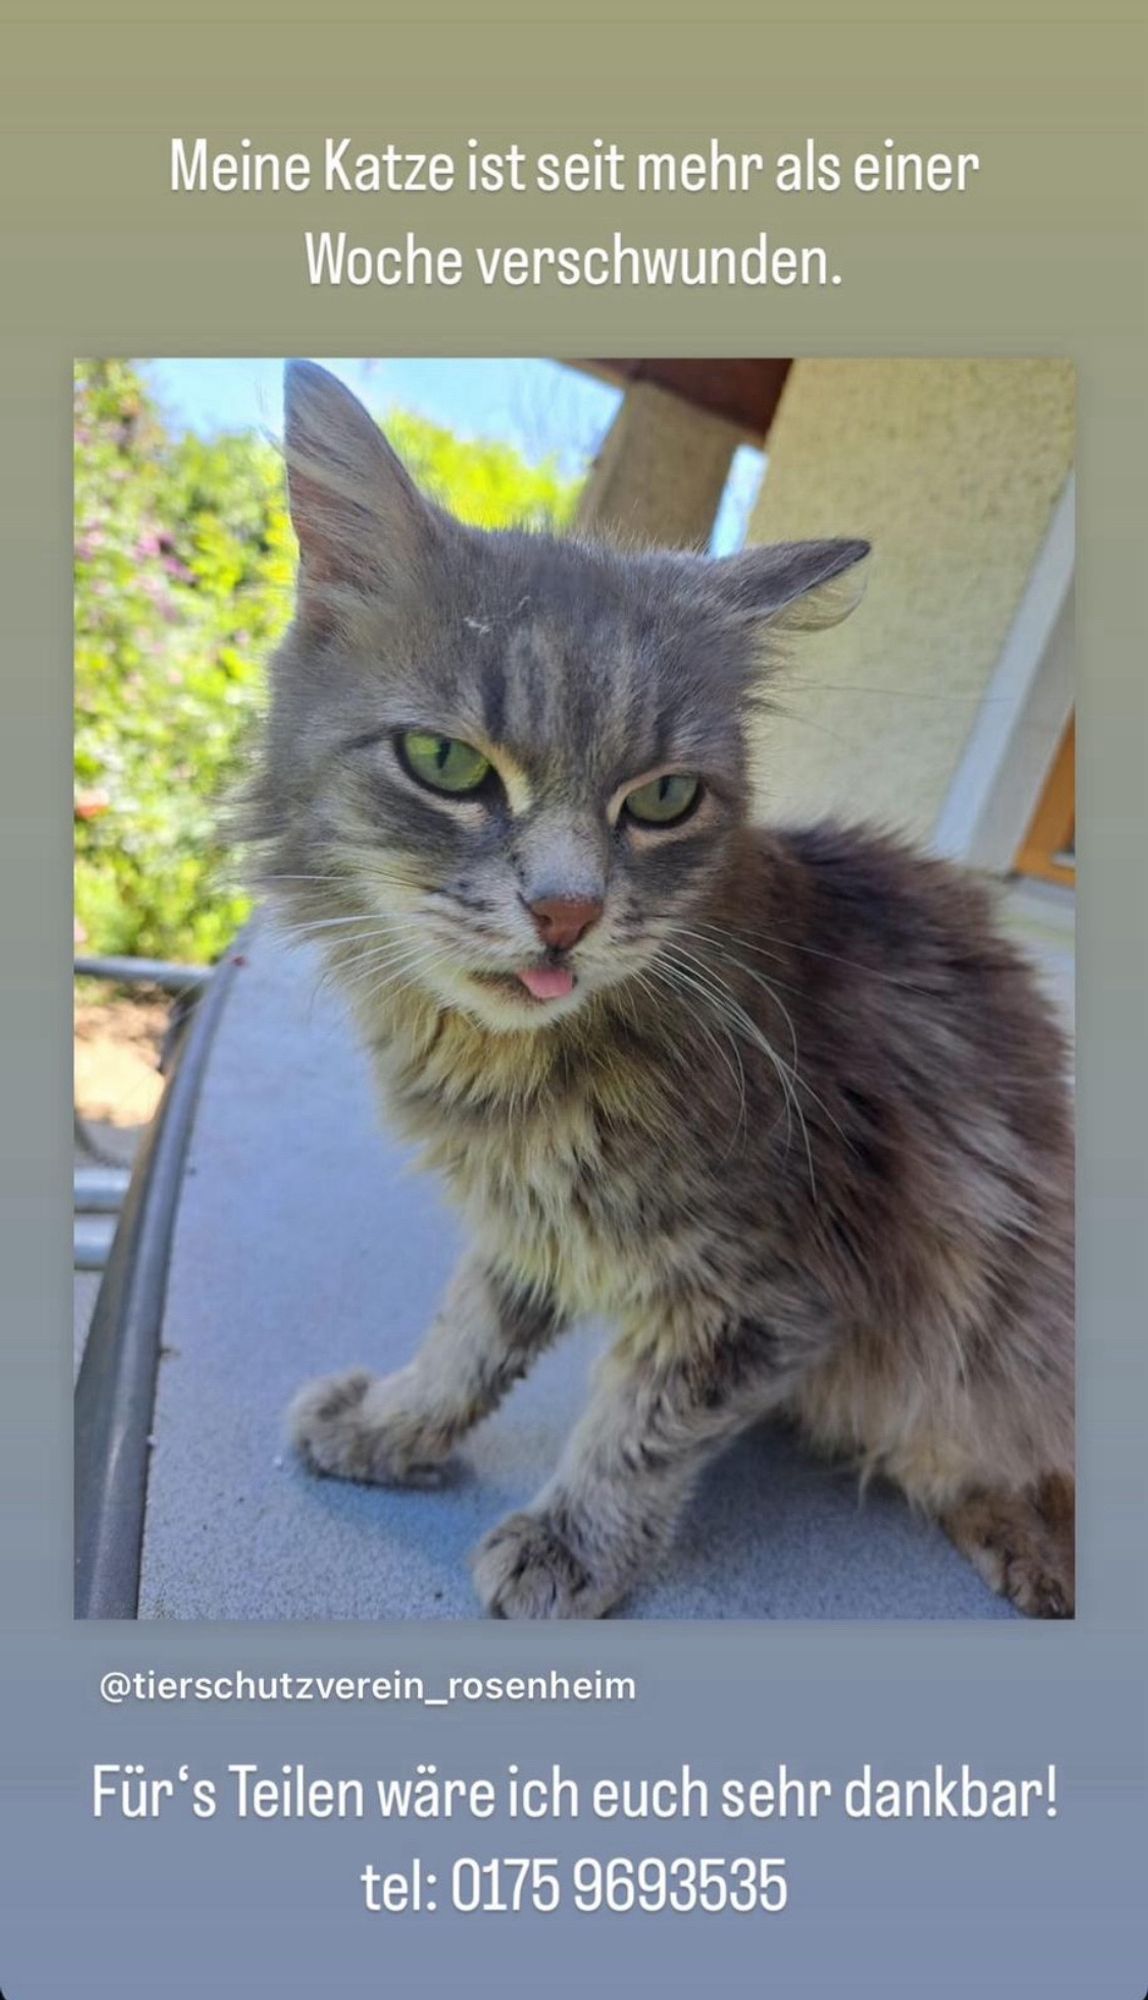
(780, 1104)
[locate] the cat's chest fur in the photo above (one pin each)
(562, 1167)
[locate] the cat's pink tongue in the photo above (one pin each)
(548, 982)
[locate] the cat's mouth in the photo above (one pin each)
(542, 983)
(547, 982)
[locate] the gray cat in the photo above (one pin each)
(782, 1105)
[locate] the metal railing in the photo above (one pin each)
(99, 1190)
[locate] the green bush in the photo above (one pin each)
(184, 566)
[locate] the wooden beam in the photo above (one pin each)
(1052, 833)
(661, 471)
(745, 393)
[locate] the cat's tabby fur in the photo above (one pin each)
(800, 1129)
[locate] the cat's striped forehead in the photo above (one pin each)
(578, 661)
(570, 676)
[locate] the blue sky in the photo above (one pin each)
(540, 406)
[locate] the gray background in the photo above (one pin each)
(1049, 257)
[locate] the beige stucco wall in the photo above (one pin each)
(951, 469)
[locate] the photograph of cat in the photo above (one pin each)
(781, 1104)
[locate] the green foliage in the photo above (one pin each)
(184, 566)
(487, 484)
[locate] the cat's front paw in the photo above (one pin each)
(358, 1426)
(525, 1569)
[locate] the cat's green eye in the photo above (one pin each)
(443, 762)
(663, 800)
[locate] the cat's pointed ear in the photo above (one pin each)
(795, 586)
(355, 509)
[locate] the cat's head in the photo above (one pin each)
(505, 766)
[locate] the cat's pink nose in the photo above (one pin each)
(561, 920)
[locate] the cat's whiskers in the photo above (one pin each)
(813, 951)
(309, 925)
(368, 974)
(391, 957)
(345, 879)
(412, 973)
(302, 932)
(353, 880)
(622, 997)
(678, 978)
(768, 987)
(723, 931)
(711, 935)
(711, 987)
(349, 948)
(792, 1070)
(358, 931)
(662, 975)
(728, 958)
